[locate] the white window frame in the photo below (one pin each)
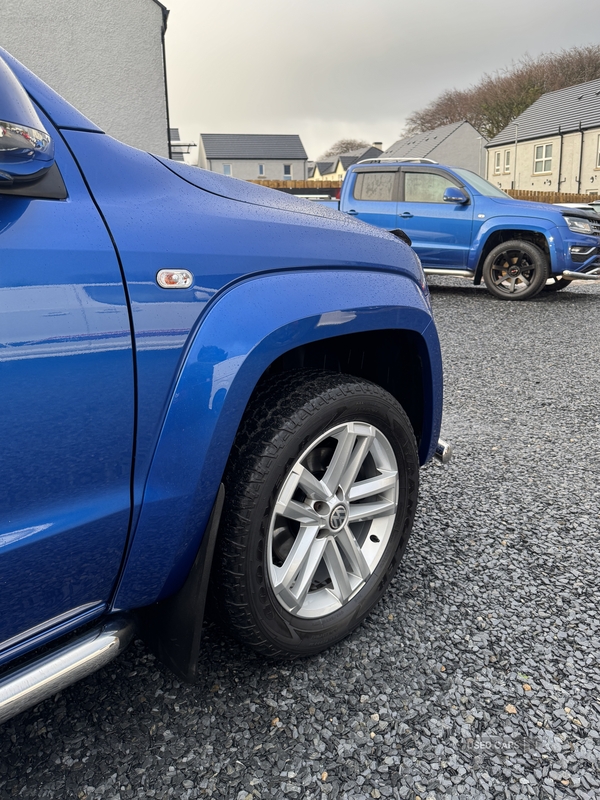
(542, 160)
(497, 162)
(228, 167)
(288, 177)
(507, 154)
(261, 170)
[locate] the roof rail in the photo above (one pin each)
(411, 160)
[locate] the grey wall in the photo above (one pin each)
(464, 148)
(104, 56)
(247, 170)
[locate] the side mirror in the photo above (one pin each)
(455, 195)
(26, 150)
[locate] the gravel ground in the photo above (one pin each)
(476, 677)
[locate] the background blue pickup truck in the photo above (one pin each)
(204, 383)
(461, 225)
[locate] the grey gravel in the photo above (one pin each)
(478, 675)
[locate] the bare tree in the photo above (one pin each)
(497, 99)
(345, 146)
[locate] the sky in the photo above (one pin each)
(332, 69)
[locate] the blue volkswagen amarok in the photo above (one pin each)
(203, 383)
(461, 225)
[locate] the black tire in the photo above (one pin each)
(556, 285)
(515, 270)
(280, 612)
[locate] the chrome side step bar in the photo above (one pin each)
(28, 685)
(443, 451)
(453, 273)
(594, 275)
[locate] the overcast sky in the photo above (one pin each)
(327, 69)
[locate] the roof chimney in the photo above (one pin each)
(378, 144)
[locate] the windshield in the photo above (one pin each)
(483, 187)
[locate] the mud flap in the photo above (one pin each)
(172, 628)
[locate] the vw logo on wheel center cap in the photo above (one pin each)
(338, 517)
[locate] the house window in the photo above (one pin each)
(543, 158)
(227, 169)
(507, 161)
(287, 172)
(261, 170)
(498, 163)
(598, 154)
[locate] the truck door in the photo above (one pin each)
(66, 408)
(372, 196)
(440, 232)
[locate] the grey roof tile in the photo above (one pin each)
(253, 146)
(325, 167)
(562, 111)
(420, 145)
(353, 156)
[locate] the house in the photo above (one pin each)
(458, 145)
(334, 168)
(249, 156)
(552, 146)
(105, 56)
(322, 170)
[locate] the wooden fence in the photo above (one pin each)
(330, 186)
(550, 197)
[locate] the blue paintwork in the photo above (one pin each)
(453, 236)
(101, 368)
(66, 406)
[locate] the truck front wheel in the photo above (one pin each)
(321, 495)
(515, 270)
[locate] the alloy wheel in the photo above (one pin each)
(332, 519)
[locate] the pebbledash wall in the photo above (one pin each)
(106, 57)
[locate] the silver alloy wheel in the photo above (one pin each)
(332, 520)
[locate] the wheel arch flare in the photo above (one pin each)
(249, 328)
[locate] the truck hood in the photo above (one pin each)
(253, 193)
(531, 209)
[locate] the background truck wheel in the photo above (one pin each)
(556, 284)
(515, 270)
(321, 494)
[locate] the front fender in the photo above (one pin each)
(245, 330)
(509, 223)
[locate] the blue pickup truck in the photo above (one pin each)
(207, 389)
(461, 225)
